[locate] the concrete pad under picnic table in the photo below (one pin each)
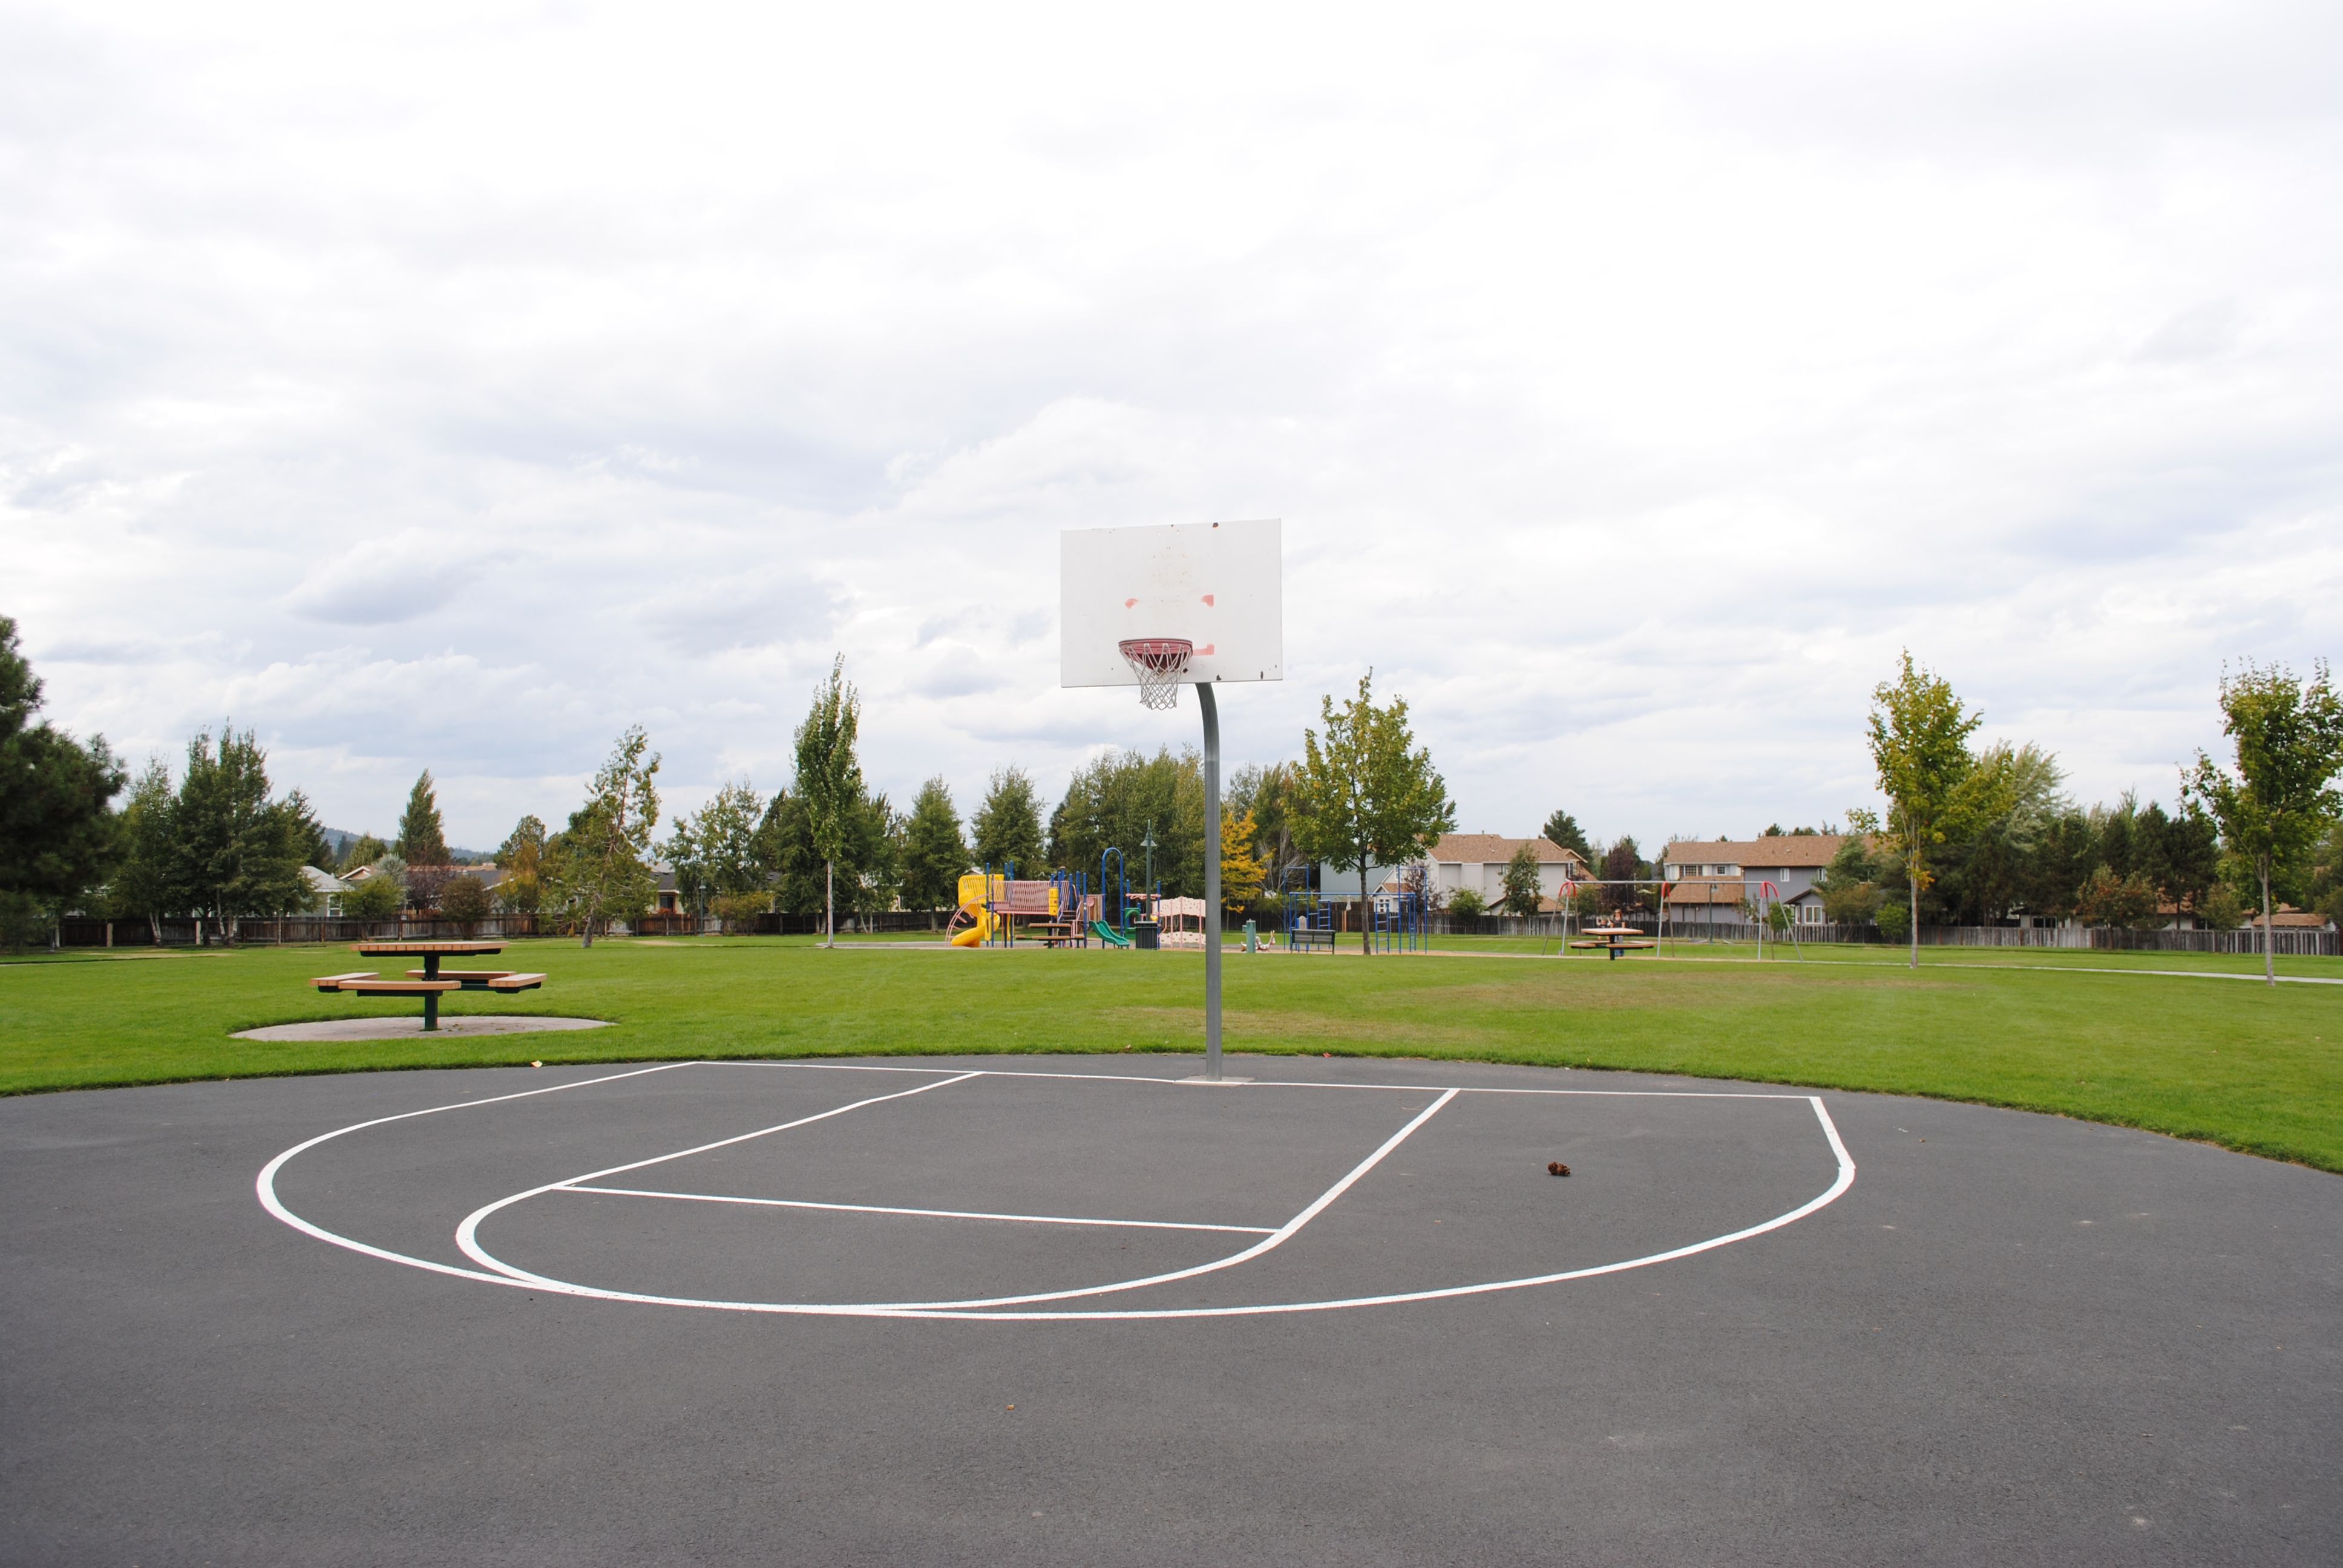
(403, 1025)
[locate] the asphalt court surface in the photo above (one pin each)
(2010, 1334)
(1081, 1180)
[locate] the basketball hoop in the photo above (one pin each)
(1158, 662)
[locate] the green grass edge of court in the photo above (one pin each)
(2278, 1093)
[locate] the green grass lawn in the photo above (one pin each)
(2255, 1069)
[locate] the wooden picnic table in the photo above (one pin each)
(1615, 940)
(430, 982)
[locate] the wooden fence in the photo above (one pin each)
(2288, 942)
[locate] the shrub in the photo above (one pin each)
(464, 901)
(737, 909)
(1851, 903)
(379, 898)
(1895, 921)
(2107, 900)
(1466, 901)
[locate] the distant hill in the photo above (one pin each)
(341, 839)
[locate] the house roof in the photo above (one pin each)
(1805, 851)
(324, 882)
(1495, 850)
(2286, 916)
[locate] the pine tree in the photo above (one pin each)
(237, 852)
(422, 841)
(935, 856)
(1562, 830)
(56, 830)
(1007, 825)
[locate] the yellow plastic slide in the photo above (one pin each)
(978, 931)
(974, 898)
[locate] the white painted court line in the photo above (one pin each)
(468, 1238)
(922, 1213)
(265, 1187)
(1275, 1082)
(1830, 1195)
(465, 1232)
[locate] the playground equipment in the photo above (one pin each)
(1158, 608)
(1396, 923)
(976, 895)
(997, 908)
(1118, 933)
(1180, 922)
(1309, 920)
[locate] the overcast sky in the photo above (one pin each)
(452, 387)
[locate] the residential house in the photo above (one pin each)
(326, 891)
(1475, 862)
(1707, 879)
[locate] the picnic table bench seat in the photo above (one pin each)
(1600, 943)
(513, 982)
(370, 985)
(335, 983)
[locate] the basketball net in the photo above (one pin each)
(1158, 662)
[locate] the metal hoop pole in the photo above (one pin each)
(1211, 879)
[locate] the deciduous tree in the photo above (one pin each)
(715, 847)
(365, 850)
(144, 884)
(521, 859)
(1367, 794)
(1523, 893)
(2289, 747)
(597, 868)
(1123, 799)
(830, 779)
(1622, 865)
(1919, 744)
(465, 901)
(1241, 870)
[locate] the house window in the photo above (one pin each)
(1810, 914)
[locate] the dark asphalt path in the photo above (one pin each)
(2015, 1339)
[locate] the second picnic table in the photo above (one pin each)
(431, 982)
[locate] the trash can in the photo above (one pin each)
(1253, 936)
(1146, 935)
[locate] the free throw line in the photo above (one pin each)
(921, 1213)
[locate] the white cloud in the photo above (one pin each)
(452, 387)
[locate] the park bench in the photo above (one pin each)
(1060, 933)
(1302, 937)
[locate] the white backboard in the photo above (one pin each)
(1219, 585)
